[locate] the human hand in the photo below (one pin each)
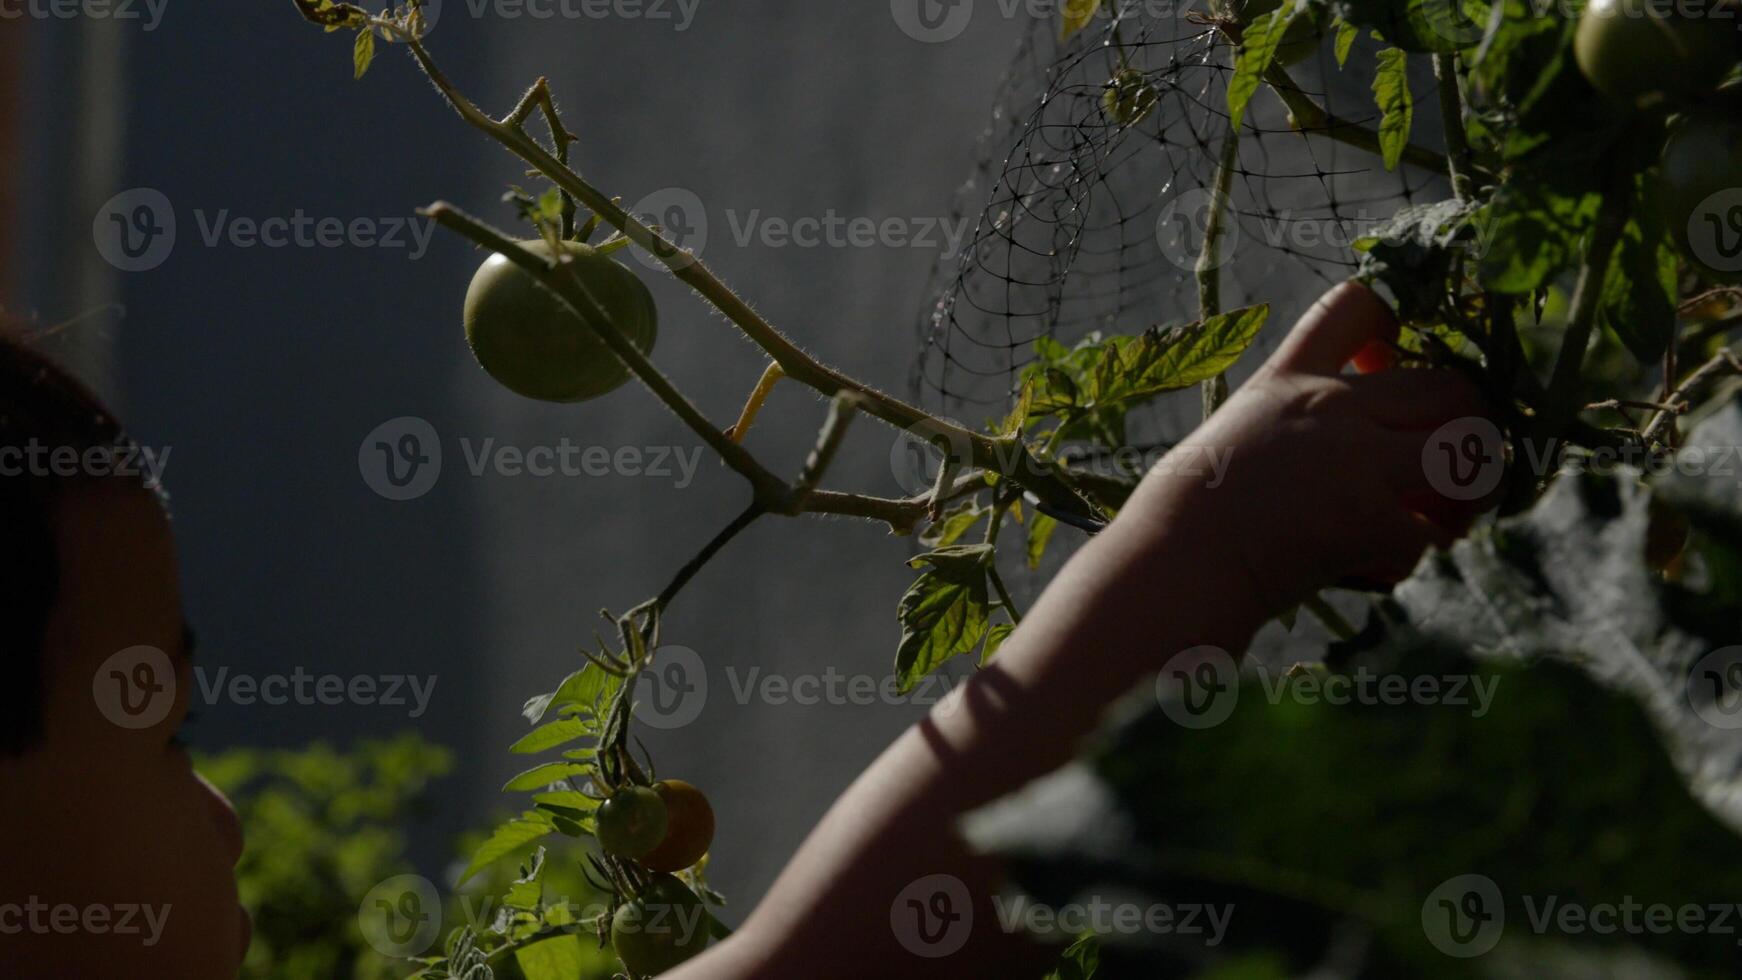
(1328, 477)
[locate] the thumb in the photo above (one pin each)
(1339, 326)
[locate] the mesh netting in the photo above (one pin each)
(1084, 223)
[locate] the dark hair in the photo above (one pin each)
(42, 408)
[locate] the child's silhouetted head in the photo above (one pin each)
(118, 856)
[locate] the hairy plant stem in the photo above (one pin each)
(1042, 478)
(1209, 264)
(1452, 121)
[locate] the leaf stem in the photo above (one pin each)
(1310, 117)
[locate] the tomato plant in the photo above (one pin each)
(1552, 260)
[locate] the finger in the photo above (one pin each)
(1413, 398)
(1436, 476)
(1399, 538)
(1342, 323)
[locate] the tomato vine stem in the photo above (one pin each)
(1039, 476)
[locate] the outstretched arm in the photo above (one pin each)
(1319, 478)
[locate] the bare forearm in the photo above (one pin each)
(1148, 587)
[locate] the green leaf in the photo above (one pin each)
(1076, 15)
(584, 687)
(539, 777)
(1397, 108)
(1530, 232)
(506, 839)
(1039, 534)
(1134, 368)
(955, 523)
(1257, 50)
(1422, 26)
(1346, 35)
(1079, 961)
(944, 612)
(363, 52)
(1637, 299)
(1413, 252)
(995, 638)
(557, 958)
(567, 799)
(551, 735)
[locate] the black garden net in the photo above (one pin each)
(1089, 212)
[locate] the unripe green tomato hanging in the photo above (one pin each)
(631, 823)
(531, 343)
(1643, 53)
(659, 928)
(1700, 190)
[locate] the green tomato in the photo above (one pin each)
(1642, 53)
(630, 823)
(1700, 190)
(1128, 98)
(659, 928)
(535, 346)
